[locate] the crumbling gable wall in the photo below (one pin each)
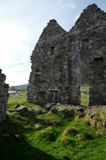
(48, 79)
(3, 96)
(89, 32)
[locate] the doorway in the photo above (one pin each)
(84, 95)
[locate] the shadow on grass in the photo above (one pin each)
(13, 148)
(44, 120)
(31, 118)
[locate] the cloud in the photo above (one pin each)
(18, 78)
(14, 49)
(10, 35)
(66, 3)
(20, 28)
(21, 23)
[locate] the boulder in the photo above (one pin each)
(21, 109)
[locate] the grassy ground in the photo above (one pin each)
(42, 135)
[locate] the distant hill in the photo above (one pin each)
(19, 87)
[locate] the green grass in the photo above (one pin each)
(44, 135)
(19, 98)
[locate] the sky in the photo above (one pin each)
(21, 24)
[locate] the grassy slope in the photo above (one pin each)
(48, 136)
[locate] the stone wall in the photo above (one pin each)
(63, 61)
(3, 96)
(89, 32)
(98, 82)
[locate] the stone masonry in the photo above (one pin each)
(64, 61)
(3, 96)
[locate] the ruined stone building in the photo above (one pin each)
(3, 96)
(64, 61)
